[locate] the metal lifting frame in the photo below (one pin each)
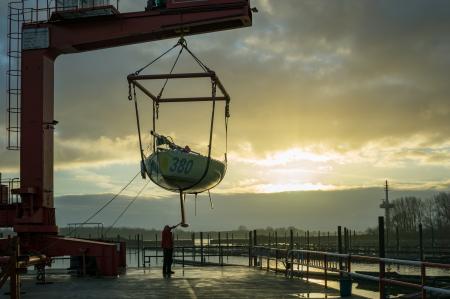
(133, 79)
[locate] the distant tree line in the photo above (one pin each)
(131, 232)
(433, 213)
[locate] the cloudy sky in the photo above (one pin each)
(326, 95)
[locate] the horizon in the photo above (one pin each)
(301, 209)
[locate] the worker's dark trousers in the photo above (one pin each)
(167, 265)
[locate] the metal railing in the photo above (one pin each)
(195, 255)
(73, 227)
(11, 184)
(13, 74)
(299, 259)
(296, 262)
(36, 11)
(341, 264)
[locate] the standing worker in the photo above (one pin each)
(167, 246)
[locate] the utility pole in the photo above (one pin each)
(387, 215)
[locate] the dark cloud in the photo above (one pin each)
(378, 68)
(379, 60)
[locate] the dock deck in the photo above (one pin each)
(193, 282)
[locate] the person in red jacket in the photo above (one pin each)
(167, 246)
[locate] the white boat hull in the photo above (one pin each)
(177, 171)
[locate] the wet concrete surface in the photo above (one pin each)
(193, 282)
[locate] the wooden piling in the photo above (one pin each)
(325, 261)
(305, 242)
(420, 242)
(202, 261)
(249, 248)
(138, 251)
(328, 241)
(255, 243)
(422, 267)
(228, 247)
(339, 235)
(432, 238)
(291, 247)
(193, 246)
(397, 242)
(220, 249)
(143, 250)
(276, 239)
(381, 254)
(318, 239)
(350, 240)
(276, 260)
(308, 244)
(182, 252)
(156, 249)
(345, 240)
(208, 246)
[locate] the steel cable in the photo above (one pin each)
(126, 208)
(72, 231)
(112, 199)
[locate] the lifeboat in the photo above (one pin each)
(178, 170)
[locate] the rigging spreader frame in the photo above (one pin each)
(134, 79)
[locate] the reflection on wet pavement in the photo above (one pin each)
(193, 282)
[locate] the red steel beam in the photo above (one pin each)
(101, 32)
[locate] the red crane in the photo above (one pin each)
(72, 31)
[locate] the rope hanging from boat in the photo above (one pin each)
(136, 108)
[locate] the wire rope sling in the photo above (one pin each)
(168, 165)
